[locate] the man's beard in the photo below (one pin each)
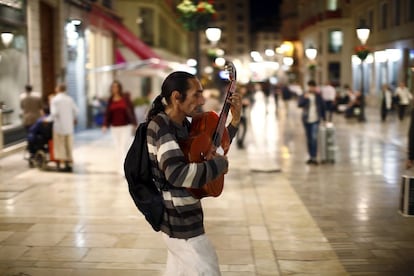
(197, 111)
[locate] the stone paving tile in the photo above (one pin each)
(316, 267)
(46, 253)
(33, 271)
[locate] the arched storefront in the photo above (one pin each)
(13, 66)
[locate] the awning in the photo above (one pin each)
(99, 18)
(119, 57)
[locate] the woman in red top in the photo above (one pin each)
(120, 117)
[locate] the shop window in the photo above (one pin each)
(335, 41)
(332, 5)
(397, 12)
(13, 74)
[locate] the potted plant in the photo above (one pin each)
(362, 52)
(195, 16)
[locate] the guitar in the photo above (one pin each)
(207, 130)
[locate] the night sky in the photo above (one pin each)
(264, 14)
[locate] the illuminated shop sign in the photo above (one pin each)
(17, 4)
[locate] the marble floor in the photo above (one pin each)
(276, 216)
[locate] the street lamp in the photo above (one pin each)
(362, 32)
(7, 38)
(213, 35)
(311, 53)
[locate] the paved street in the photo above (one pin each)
(276, 216)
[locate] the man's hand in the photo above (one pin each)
(213, 153)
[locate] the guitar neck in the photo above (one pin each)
(218, 134)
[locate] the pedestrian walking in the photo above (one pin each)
(31, 105)
(404, 98)
(63, 112)
(313, 111)
(190, 252)
(286, 97)
(386, 101)
(241, 134)
(120, 118)
(328, 93)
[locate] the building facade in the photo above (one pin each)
(391, 42)
(325, 25)
(81, 43)
(330, 26)
(156, 24)
(234, 21)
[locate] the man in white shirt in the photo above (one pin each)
(404, 98)
(328, 93)
(63, 111)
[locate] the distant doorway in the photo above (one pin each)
(47, 49)
(334, 73)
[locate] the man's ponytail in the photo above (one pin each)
(156, 107)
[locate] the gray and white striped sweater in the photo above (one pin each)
(183, 215)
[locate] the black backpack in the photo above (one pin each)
(141, 183)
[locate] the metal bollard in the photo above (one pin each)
(406, 207)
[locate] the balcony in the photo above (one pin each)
(326, 15)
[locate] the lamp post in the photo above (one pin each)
(311, 53)
(213, 35)
(362, 32)
(195, 16)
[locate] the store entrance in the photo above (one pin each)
(47, 36)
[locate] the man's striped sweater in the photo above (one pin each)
(183, 216)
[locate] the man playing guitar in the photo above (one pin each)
(190, 252)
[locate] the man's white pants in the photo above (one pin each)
(122, 136)
(191, 257)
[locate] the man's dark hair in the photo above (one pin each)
(28, 88)
(62, 87)
(176, 81)
(311, 83)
